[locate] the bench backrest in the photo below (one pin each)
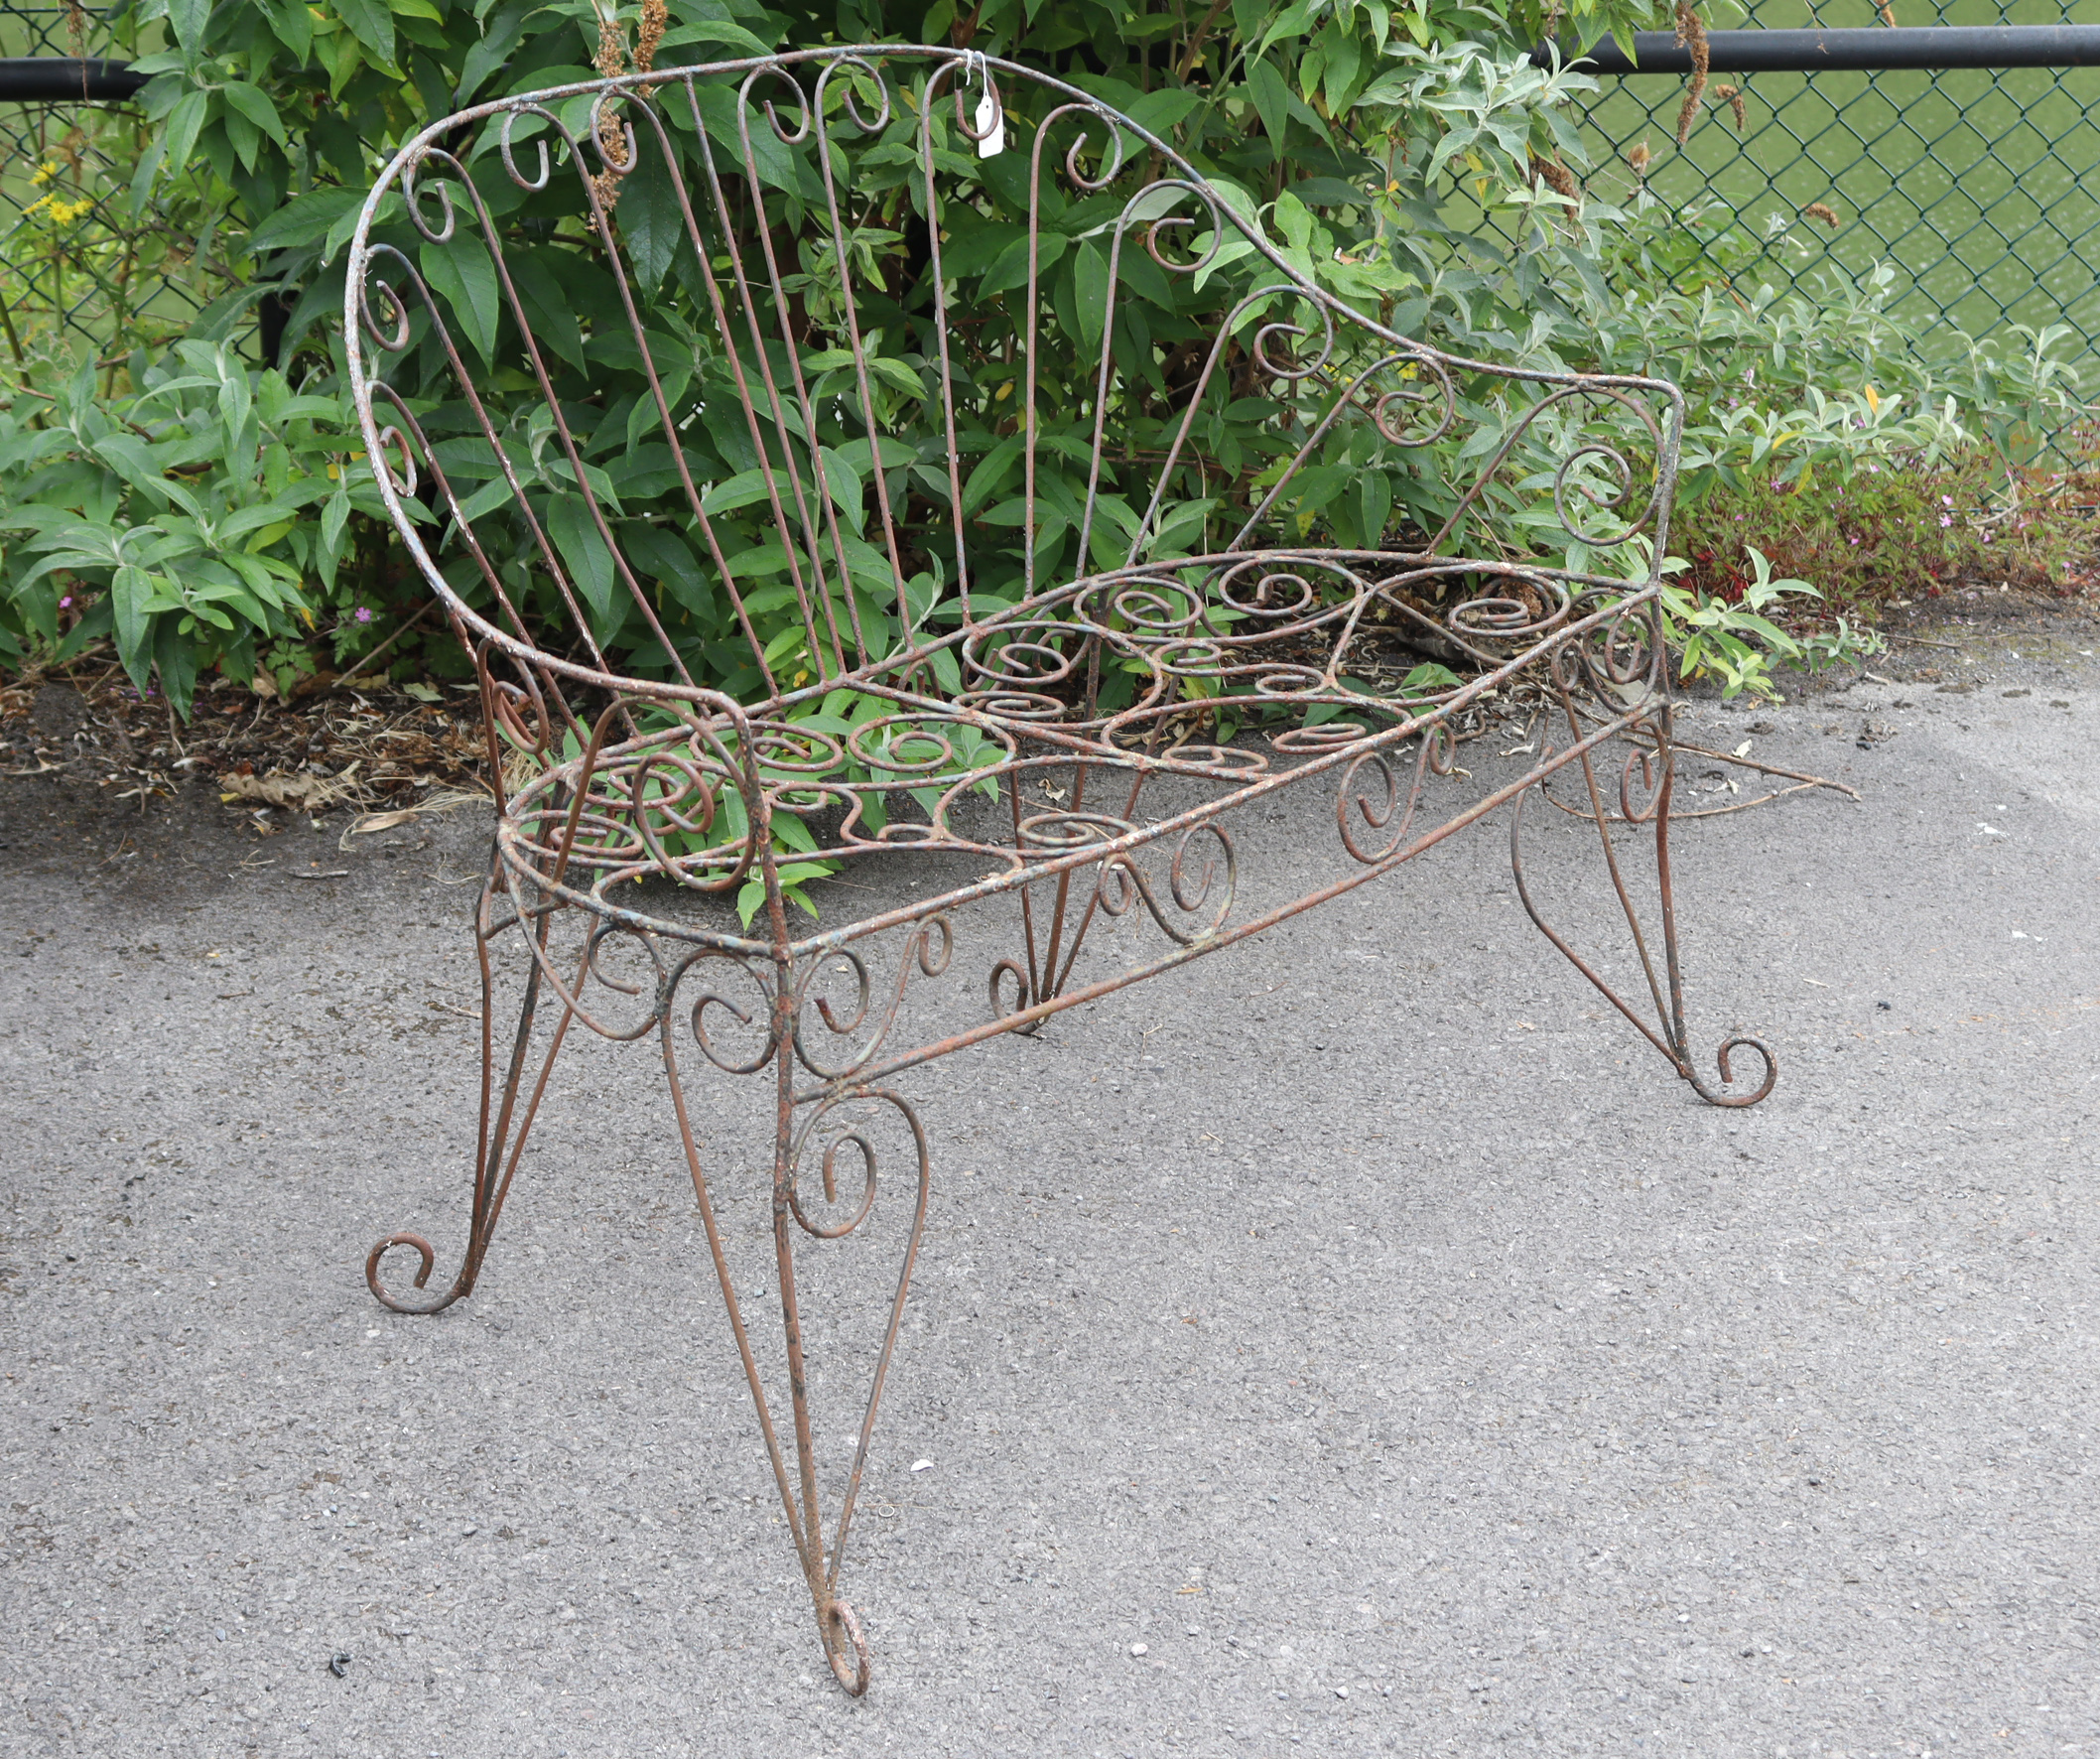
(760, 374)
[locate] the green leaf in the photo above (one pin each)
(252, 103)
(1294, 220)
(774, 163)
(245, 137)
(334, 517)
(65, 561)
(346, 223)
(589, 563)
(486, 498)
(599, 484)
(897, 374)
(1090, 270)
(372, 25)
(303, 218)
(130, 592)
(1291, 21)
(180, 133)
(991, 473)
(234, 406)
(547, 307)
(661, 556)
(498, 39)
(461, 270)
(28, 449)
(1429, 677)
(1271, 102)
(175, 658)
(973, 248)
(293, 26)
(1373, 505)
(1011, 268)
(319, 409)
(1179, 530)
(730, 37)
(188, 18)
(1344, 57)
(146, 174)
(757, 562)
(1388, 89)
(126, 455)
(738, 491)
(848, 493)
(1158, 111)
(651, 221)
(254, 518)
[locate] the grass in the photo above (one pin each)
(1982, 188)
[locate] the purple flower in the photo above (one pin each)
(1944, 521)
(363, 615)
(64, 601)
(1946, 500)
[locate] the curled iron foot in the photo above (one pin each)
(845, 1648)
(1713, 1095)
(433, 1303)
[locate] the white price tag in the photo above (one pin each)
(991, 125)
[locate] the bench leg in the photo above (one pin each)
(821, 1143)
(507, 1114)
(1645, 786)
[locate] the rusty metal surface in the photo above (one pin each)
(633, 810)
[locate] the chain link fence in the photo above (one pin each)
(49, 30)
(1978, 188)
(80, 274)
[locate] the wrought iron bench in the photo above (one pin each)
(886, 389)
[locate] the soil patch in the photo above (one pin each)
(103, 782)
(98, 778)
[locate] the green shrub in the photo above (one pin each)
(195, 519)
(201, 513)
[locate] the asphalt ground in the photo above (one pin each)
(1362, 1321)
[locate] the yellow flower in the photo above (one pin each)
(45, 172)
(62, 214)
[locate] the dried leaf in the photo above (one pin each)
(305, 793)
(1691, 32)
(384, 821)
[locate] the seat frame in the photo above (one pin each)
(632, 808)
